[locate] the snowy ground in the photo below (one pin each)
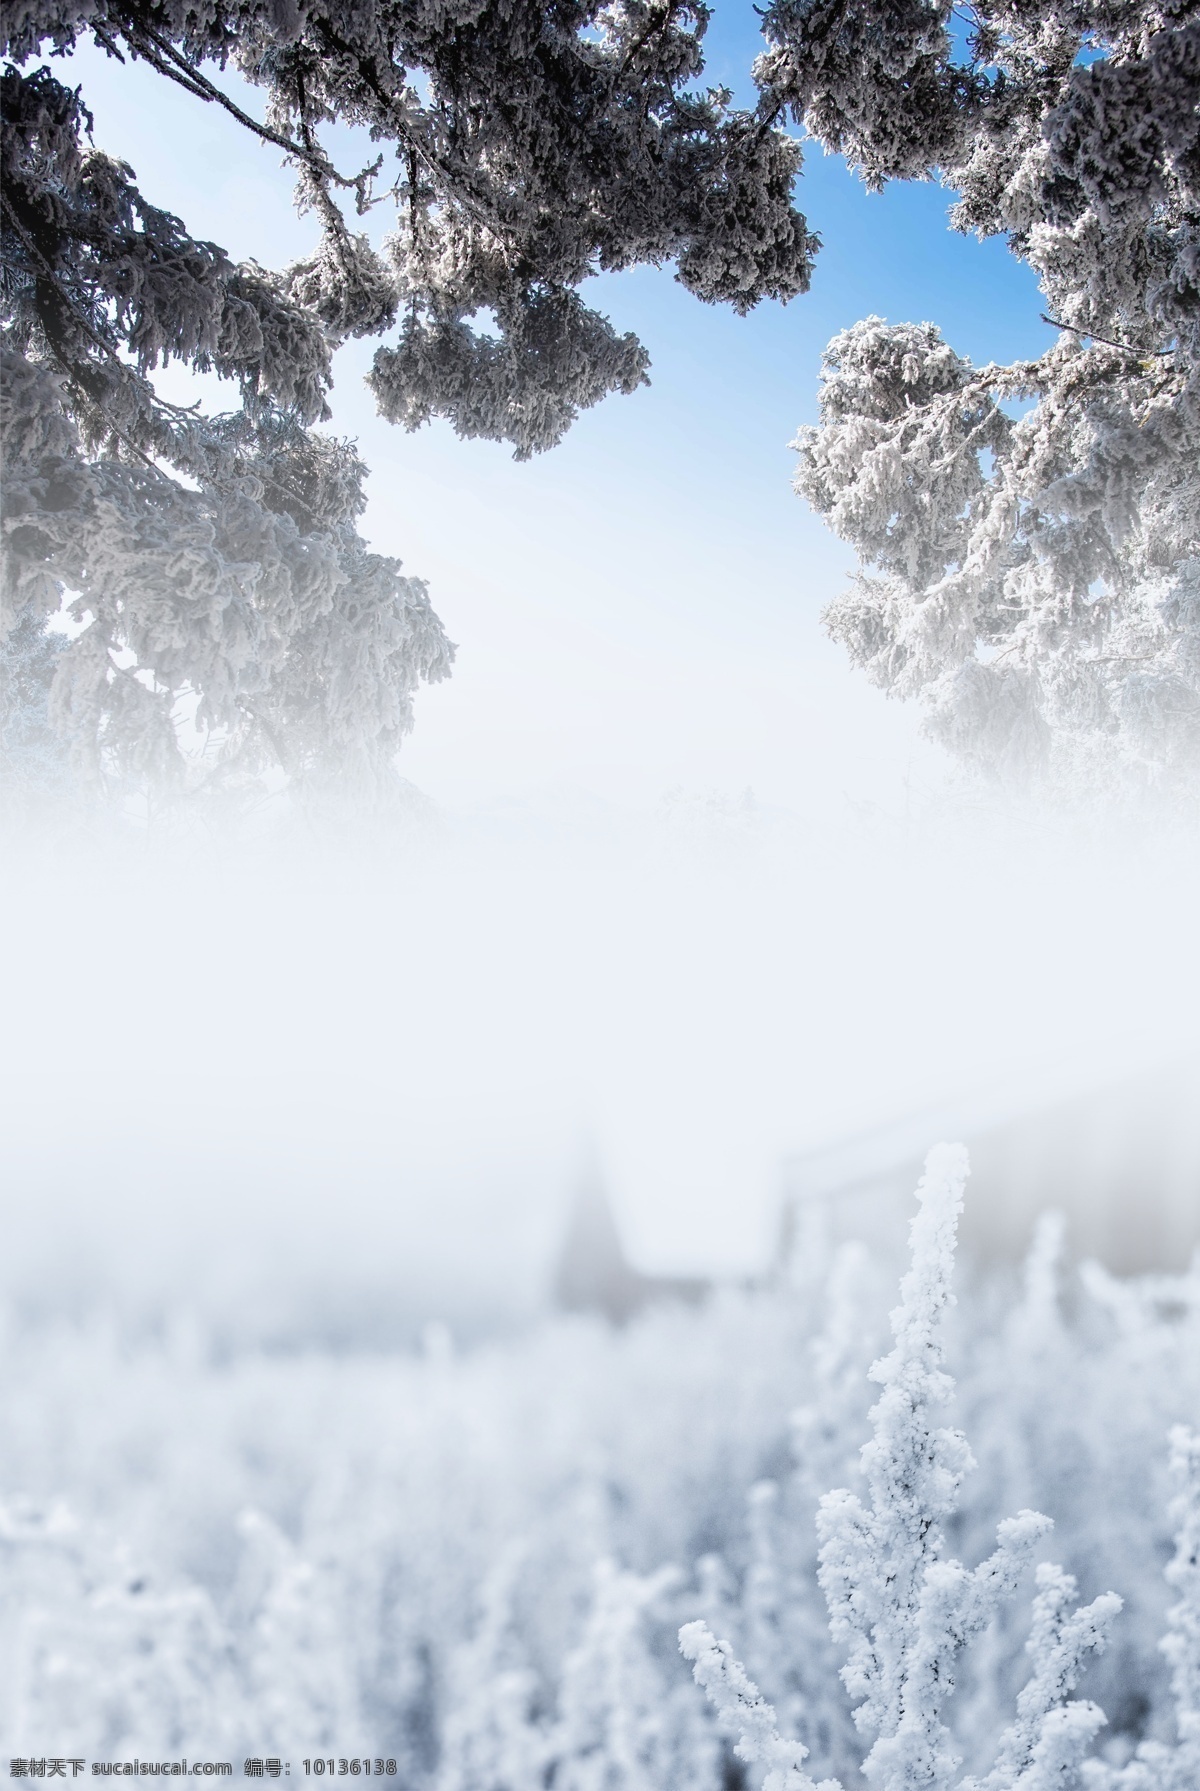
(475, 1561)
(262, 1124)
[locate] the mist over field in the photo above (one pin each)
(599, 735)
(346, 1087)
(303, 1456)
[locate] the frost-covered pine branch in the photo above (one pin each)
(1029, 536)
(213, 561)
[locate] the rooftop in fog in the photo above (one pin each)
(1121, 1161)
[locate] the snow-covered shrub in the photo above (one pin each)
(476, 1562)
(903, 1609)
(1159, 1767)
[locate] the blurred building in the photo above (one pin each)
(594, 1274)
(1121, 1163)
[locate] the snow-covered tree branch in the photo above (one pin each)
(1029, 535)
(214, 560)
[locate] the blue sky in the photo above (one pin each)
(639, 609)
(636, 611)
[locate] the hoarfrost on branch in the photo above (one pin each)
(213, 562)
(1029, 535)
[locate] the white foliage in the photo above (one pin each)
(295, 1652)
(1046, 1744)
(900, 1606)
(904, 1609)
(492, 1740)
(1181, 1644)
(1031, 577)
(743, 1711)
(1159, 1766)
(213, 560)
(622, 1725)
(277, 1551)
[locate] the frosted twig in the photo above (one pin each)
(743, 1711)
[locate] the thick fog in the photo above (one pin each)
(343, 1086)
(303, 1460)
(655, 1246)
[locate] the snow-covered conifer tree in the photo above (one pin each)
(33, 759)
(214, 561)
(1029, 535)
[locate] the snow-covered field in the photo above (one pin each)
(476, 1561)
